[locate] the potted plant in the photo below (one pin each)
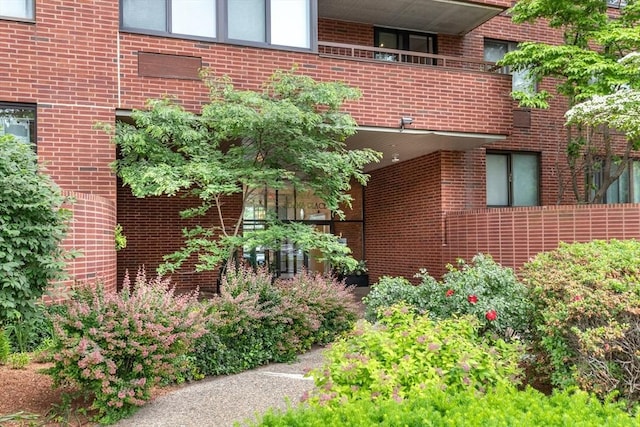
(353, 275)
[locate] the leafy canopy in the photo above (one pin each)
(292, 133)
(588, 67)
(32, 226)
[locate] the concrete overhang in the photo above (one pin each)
(432, 16)
(398, 145)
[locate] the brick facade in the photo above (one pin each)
(75, 64)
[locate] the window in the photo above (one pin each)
(19, 9)
(625, 189)
(616, 3)
(390, 38)
(513, 179)
(263, 22)
(495, 50)
(18, 120)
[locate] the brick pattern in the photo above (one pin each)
(91, 233)
(514, 235)
(154, 228)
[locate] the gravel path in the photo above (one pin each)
(223, 400)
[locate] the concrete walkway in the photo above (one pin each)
(223, 400)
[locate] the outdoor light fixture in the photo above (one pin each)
(395, 157)
(405, 121)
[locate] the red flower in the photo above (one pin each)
(576, 298)
(450, 293)
(491, 315)
(472, 299)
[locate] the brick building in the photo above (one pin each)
(464, 169)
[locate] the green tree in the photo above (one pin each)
(32, 226)
(292, 133)
(586, 65)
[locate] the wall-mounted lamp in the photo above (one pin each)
(395, 157)
(404, 121)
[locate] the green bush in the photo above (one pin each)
(406, 352)
(256, 320)
(587, 302)
(32, 225)
(115, 347)
(387, 292)
(5, 347)
(503, 407)
(483, 289)
(18, 360)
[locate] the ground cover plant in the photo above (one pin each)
(114, 347)
(406, 353)
(587, 302)
(483, 289)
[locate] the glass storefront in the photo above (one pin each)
(291, 205)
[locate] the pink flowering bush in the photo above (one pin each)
(115, 346)
(256, 319)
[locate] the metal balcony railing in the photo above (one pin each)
(367, 53)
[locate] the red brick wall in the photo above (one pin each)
(403, 217)
(514, 235)
(439, 99)
(91, 233)
(154, 228)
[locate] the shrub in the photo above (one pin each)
(18, 360)
(5, 347)
(503, 407)
(256, 320)
(117, 346)
(406, 353)
(32, 225)
(587, 301)
(389, 291)
(318, 307)
(483, 289)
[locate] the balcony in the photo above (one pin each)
(455, 103)
(366, 53)
(451, 17)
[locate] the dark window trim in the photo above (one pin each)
(404, 34)
(616, 4)
(222, 26)
(509, 154)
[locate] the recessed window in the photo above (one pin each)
(625, 189)
(513, 179)
(391, 38)
(285, 23)
(18, 120)
(18, 9)
(495, 50)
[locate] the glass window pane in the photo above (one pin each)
(246, 20)
(145, 14)
(387, 40)
(17, 8)
(194, 17)
(623, 187)
(497, 180)
(291, 23)
(19, 122)
(495, 51)
(524, 170)
(636, 181)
